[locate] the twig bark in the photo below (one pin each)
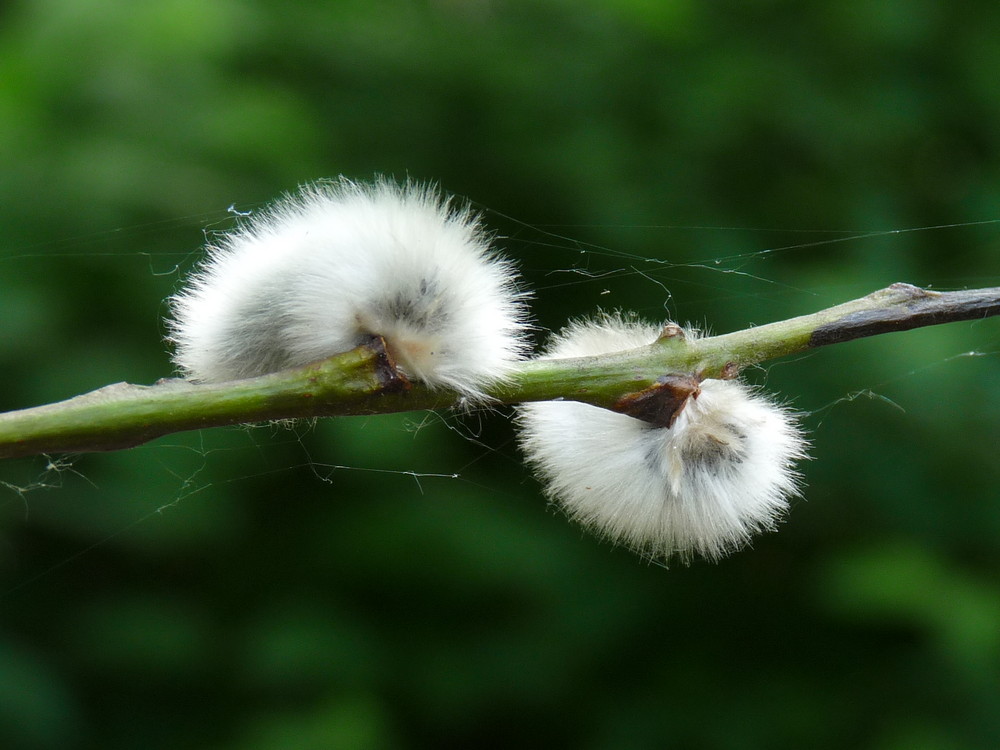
(366, 381)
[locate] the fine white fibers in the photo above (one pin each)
(322, 270)
(722, 472)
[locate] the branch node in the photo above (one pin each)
(912, 292)
(671, 331)
(391, 379)
(660, 404)
(730, 371)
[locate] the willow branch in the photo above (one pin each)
(366, 381)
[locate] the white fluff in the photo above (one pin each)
(721, 473)
(321, 270)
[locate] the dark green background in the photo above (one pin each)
(234, 589)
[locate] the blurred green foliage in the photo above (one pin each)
(333, 585)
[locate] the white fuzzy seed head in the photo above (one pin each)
(322, 270)
(723, 472)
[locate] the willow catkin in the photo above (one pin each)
(322, 270)
(721, 473)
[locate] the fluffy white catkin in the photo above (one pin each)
(721, 473)
(321, 270)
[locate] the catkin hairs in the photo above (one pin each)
(321, 270)
(723, 472)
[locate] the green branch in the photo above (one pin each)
(651, 382)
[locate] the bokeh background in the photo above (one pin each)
(333, 585)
